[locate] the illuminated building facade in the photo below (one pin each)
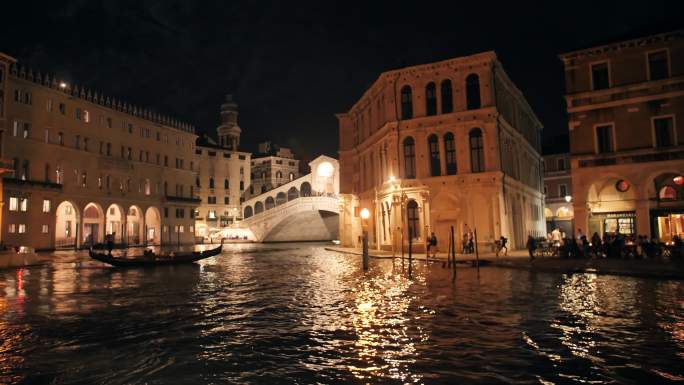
(625, 101)
(558, 193)
(451, 143)
(223, 175)
(272, 167)
(86, 167)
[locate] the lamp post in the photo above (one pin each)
(364, 239)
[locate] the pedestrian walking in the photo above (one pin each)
(432, 245)
(531, 246)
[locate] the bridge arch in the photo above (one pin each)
(292, 193)
(258, 208)
(280, 198)
(248, 212)
(270, 203)
(305, 189)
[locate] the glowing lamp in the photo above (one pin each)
(568, 198)
(678, 180)
(365, 213)
(391, 178)
(62, 85)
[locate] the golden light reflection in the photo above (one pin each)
(384, 346)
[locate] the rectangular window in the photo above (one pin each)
(13, 204)
(226, 200)
(604, 139)
(600, 78)
(62, 108)
(27, 130)
(23, 204)
(664, 132)
(48, 105)
(12, 228)
(46, 205)
(47, 136)
(45, 229)
(22, 228)
(562, 190)
(561, 164)
(658, 67)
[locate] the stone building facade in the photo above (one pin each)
(558, 193)
(272, 167)
(223, 175)
(85, 166)
(451, 143)
(625, 103)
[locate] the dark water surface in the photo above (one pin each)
(295, 313)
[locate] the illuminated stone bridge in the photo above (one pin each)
(305, 209)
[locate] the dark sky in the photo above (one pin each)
(292, 64)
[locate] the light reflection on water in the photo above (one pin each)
(297, 313)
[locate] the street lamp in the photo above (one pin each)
(364, 231)
(568, 198)
(62, 85)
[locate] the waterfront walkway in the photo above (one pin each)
(519, 259)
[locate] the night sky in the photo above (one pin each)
(291, 65)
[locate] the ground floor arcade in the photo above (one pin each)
(485, 204)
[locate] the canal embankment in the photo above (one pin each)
(519, 259)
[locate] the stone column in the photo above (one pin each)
(581, 217)
(643, 218)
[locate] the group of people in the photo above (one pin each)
(610, 245)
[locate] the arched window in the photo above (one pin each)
(430, 99)
(667, 193)
(269, 203)
(450, 153)
(248, 212)
(476, 151)
(409, 158)
(413, 219)
(292, 176)
(406, 103)
(279, 174)
(305, 189)
(258, 207)
(447, 100)
(211, 182)
(472, 92)
(226, 184)
(263, 188)
(433, 148)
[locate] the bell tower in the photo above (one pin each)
(229, 131)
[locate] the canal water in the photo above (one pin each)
(295, 313)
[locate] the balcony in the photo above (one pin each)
(32, 183)
(171, 198)
(6, 166)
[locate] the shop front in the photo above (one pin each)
(667, 223)
(612, 223)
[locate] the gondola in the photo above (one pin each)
(151, 259)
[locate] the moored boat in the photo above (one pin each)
(151, 259)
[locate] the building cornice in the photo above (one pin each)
(625, 44)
